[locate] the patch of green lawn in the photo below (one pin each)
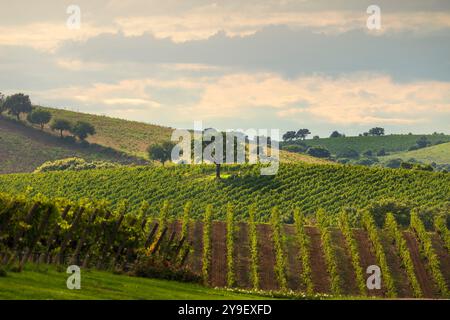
(45, 282)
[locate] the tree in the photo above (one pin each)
(318, 152)
(336, 134)
(40, 117)
(302, 133)
(381, 153)
(60, 125)
(316, 138)
(82, 129)
(377, 131)
(289, 136)
(423, 142)
(348, 153)
(17, 104)
(161, 152)
(368, 153)
(2, 100)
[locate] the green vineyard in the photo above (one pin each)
(310, 257)
(308, 187)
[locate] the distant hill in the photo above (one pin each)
(390, 143)
(439, 154)
(23, 149)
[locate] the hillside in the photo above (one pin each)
(390, 143)
(23, 149)
(127, 136)
(306, 186)
(439, 154)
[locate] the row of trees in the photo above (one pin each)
(303, 133)
(19, 103)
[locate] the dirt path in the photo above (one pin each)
(293, 261)
(195, 236)
(218, 276)
(346, 270)
(320, 277)
(268, 280)
(367, 257)
(425, 281)
(242, 253)
(401, 281)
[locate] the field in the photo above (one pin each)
(390, 143)
(306, 259)
(128, 136)
(439, 154)
(43, 282)
(306, 186)
(23, 149)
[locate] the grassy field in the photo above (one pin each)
(391, 143)
(128, 136)
(45, 282)
(439, 154)
(305, 186)
(23, 149)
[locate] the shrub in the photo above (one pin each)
(74, 164)
(319, 152)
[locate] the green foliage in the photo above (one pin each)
(206, 257)
(427, 250)
(160, 152)
(397, 236)
(440, 224)
(82, 130)
(369, 224)
(347, 231)
(254, 251)
(40, 117)
(186, 219)
(17, 104)
(278, 243)
(61, 125)
(74, 164)
(303, 241)
(231, 277)
(400, 210)
(319, 152)
(329, 252)
(304, 186)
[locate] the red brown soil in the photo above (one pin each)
(444, 257)
(367, 257)
(218, 276)
(401, 280)
(294, 264)
(195, 236)
(268, 279)
(242, 256)
(424, 278)
(346, 270)
(320, 277)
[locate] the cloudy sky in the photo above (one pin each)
(284, 64)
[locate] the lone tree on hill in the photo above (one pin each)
(60, 125)
(336, 134)
(39, 117)
(17, 104)
(377, 131)
(82, 130)
(161, 152)
(302, 133)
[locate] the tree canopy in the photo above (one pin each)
(17, 104)
(82, 130)
(39, 117)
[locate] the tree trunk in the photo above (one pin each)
(217, 170)
(61, 134)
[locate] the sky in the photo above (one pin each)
(234, 64)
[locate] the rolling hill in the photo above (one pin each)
(390, 143)
(306, 186)
(439, 154)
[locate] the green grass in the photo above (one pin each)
(304, 186)
(23, 149)
(127, 136)
(45, 282)
(391, 143)
(439, 154)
